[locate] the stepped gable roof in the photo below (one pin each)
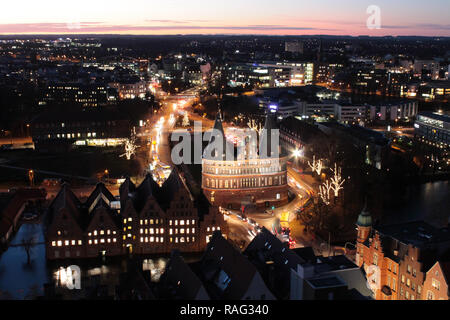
(149, 188)
(126, 191)
(146, 189)
(170, 188)
(100, 193)
(65, 199)
(102, 205)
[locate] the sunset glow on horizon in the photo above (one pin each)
(283, 17)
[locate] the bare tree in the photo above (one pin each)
(324, 192)
(28, 244)
(316, 166)
(336, 181)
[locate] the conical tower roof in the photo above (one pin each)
(217, 128)
(265, 141)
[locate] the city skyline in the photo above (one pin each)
(285, 17)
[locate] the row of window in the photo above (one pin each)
(152, 239)
(60, 243)
(102, 240)
(152, 231)
(244, 183)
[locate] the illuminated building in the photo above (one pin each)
(86, 95)
(252, 180)
(433, 128)
(145, 219)
(394, 111)
(62, 130)
(294, 47)
(397, 258)
(271, 74)
(130, 90)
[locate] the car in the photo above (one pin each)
(252, 222)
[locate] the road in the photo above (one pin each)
(158, 129)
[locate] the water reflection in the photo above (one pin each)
(156, 268)
(429, 202)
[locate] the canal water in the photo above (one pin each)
(429, 202)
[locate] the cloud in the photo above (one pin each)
(100, 27)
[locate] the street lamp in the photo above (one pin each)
(297, 153)
(31, 177)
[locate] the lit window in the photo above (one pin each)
(53, 243)
(73, 242)
(66, 243)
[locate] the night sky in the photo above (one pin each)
(282, 17)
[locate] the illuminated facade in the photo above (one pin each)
(144, 219)
(132, 90)
(86, 95)
(397, 258)
(433, 128)
(252, 180)
(88, 128)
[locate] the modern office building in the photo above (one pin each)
(271, 74)
(294, 47)
(433, 128)
(394, 111)
(86, 95)
(130, 89)
(80, 128)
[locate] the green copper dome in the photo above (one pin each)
(364, 219)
